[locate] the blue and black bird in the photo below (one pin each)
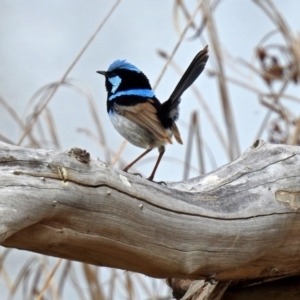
(135, 111)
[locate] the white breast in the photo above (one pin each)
(134, 133)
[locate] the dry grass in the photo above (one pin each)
(277, 65)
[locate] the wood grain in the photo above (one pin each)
(240, 221)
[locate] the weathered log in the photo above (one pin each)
(240, 221)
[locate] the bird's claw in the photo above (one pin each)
(158, 182)
(135, 174)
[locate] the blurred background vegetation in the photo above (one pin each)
(51, 97)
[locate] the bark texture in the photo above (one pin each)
(238, 222)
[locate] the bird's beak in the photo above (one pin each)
(102, 73)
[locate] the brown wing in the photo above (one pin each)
(176, 133)
(145, 115)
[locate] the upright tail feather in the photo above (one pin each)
(193, 71)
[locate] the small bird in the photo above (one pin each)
(135, 111)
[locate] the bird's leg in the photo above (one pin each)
(136, 160)
(161, 151)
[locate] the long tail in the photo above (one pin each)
(193, 71)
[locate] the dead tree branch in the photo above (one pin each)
(240, 221)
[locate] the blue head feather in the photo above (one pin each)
(123, 64)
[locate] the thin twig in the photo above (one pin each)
(39, 297)
(29, 127)
(234, 149)
(177, 44)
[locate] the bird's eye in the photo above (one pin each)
(115, 82)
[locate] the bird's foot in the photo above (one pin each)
(158, 182)
(150, 178)
(135, 174)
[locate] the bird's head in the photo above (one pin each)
(122, 76)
